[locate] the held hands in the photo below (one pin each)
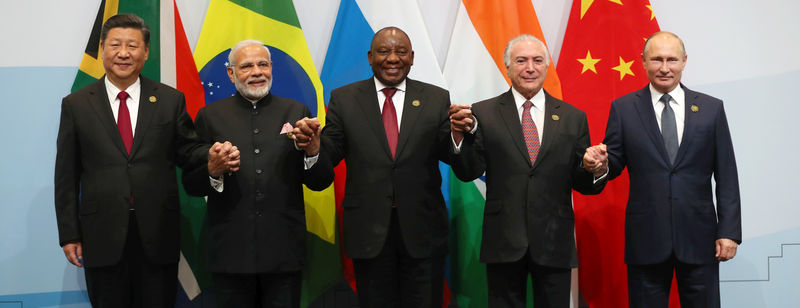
(223, 157)
(595, 160)
(306, 135)
(726, 249)
(74, 253)
(461, 121)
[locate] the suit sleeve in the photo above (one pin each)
(584, 180)
(320, 175)
(67, 177)
(469, 163)
(191, 151)
(334, 139)
(195, 179)
(613, 142)
(443, 140)
(727, 182)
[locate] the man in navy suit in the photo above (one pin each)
(671, 153)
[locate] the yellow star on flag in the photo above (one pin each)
(624, 68)
(588, 63)
(585, 4)
(616, 1)
(652, 13)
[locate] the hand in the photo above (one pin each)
(595, 160)
(306, 135)
(223, 157)
(461, 121)
(74, 253)
(726, 249)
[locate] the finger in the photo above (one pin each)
(717, 249)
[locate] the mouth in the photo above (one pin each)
(393, 70)
(123, 65)
(258, 82)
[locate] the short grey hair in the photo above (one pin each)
(663, 33)
(244, 44)
(523, 38)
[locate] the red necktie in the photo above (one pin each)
(124, 121)
(529, 129)
(389, 115)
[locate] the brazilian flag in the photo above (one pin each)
(275, 23)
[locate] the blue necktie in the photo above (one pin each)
(669, 129)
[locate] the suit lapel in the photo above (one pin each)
(146, 111)
(508, 112)
(99, 101)
(551, 128)
(367, 101)
(689, 122)
(410, 113)
(648, 117)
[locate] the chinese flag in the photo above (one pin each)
(600, 61)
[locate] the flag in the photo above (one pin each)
(162, 19)
(600, 61)
(275, 23)
(479, 39)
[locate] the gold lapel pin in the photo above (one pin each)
(415, 103)
(695, 108)
(556, 117)
(153, 99)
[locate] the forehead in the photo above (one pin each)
(664, 45)
(391, 37)
(125, 34)
(526, 49)
(251, 53)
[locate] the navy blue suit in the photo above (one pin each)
(670, 213)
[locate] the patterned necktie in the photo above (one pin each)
(389, 116)
(669, 129)
(124, 121)
(530, 131)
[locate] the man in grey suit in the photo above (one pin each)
(531, 147)
(673, 140)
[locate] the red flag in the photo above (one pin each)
(600, 61)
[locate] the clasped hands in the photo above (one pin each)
(595, 160)
(461, 121)
(306, 135)
(222, 158)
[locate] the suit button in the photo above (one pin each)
(257, 151)
(258, 171)
(256, 131)
(255, 112)
(394, 166)
(130, 165)
(258, 213)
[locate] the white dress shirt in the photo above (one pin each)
(134, 92)
(678, 104)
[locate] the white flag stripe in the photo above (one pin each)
(167, 34)
(186, 277)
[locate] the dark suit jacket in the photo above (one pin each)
(670, 207)
(257, 223)
(528, 208)
(95, 178)
(354, 132)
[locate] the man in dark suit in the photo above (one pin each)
(671, 151)
(392, 131)
(116, 192)
(531, 146)
(256, 215)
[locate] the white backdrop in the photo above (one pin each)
(743, 52)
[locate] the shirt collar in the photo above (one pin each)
(655, 95)
(379, 85)
(133, 90)
(538, 99)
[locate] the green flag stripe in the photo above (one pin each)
(149, 11)
(280, 10)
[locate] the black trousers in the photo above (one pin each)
(507, 284)
(698, 284)
(395, 279)
(134, 281)
(258, 290)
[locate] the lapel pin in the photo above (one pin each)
(153, 99)
(695, 108)
(415, 103)
(555, 117)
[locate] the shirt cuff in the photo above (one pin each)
(309, 162)
(217, 184)
(600, 178)
(457, 147)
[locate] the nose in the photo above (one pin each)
(393, 57)
(663, 67)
